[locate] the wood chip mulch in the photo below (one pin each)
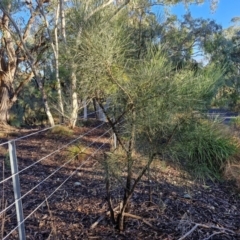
(177, 207)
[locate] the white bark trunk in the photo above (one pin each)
(45, 102)
(59, 89)
(55, 48)
(74, 115)
(100, 114)
(85, 110)
(63, 22)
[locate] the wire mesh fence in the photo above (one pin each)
(31, 174)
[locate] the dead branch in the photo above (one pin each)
(222, 230)
(216, 233)
(102, 217)
(189, 232)
(140, 218)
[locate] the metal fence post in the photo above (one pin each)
(16, 189)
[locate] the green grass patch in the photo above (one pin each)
(62, 131)
(205, 148)
(78, 152)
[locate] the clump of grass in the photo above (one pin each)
(62, 131)
(205, 148)
(78, 152)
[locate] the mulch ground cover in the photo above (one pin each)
(168, 206)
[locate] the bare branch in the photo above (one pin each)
(21, 85)
(222, 230)
(17, 30)
(99, 9)
(102, 217)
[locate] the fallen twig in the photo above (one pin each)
(222, 230)
(189, 232)
(140, 218)
(126, 215)
(216, 233)
(102, 217)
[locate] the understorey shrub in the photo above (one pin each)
(204, 147)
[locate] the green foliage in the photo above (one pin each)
(203, 148)
(28, 109)
(165, 99)
(223, 49)
(101, 56)
(15, 121)
(74, 151)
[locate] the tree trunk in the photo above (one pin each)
(129, 188)
(85, 110)
(4, 103)
(63, 22)
(55, 48)
(8, 64)
(45, 99)
(74, 115)
(47, 108)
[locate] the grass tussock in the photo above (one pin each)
(206, 148)
(62, 131)
(78, 152)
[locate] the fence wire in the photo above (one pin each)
(43, 130)
(75, 171)
(4, 210)
(50, 154)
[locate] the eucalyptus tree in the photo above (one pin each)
(223, 49)
(23, 44)
(185, 38)
(54, 40)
